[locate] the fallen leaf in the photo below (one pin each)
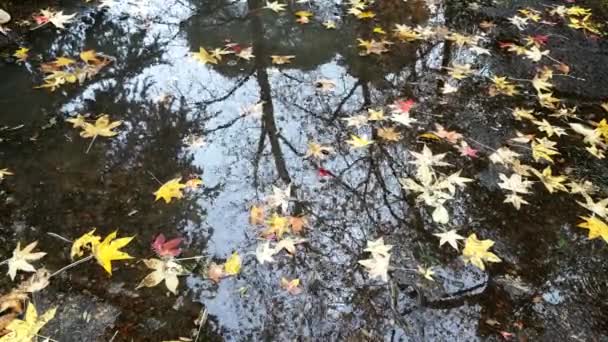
(109, 250)
(256, 215)
(21, 259)
(597, 227)
(450, 237)
(291, 286)
(27, 329)
(233, 264)
(167, 270)
(83, 243)
(204, 57)
(476, 252)
(164, 248)
(171, 189)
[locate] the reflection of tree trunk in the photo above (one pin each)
(268, 123)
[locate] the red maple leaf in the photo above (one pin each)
(505, 45)
(163, 248)
(403, 106)
(540, 39)
(40, 19)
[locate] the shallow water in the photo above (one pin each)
(551, 284)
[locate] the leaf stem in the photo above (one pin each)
(55, 235)
(75, 263)
(4, 262)
(190, 258)
(91, 144)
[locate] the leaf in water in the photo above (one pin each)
(37, 282)
(164, 248)
(279, 198)
(169, 190)
(275, 6)
(280, 60)
(90, 57)
(597, 227)
(450, 237)
(598, 208)
(257, 215)
(264, 253)
(297, 224)
(359, 142)
(215, 272)
(277, 226)
(233, 264)
(552, 183)
(85, 242)
(58, 19)
(291, 286)
(289, 244)
(21, 54)
(303, 16)
(109, 250)
(377, 266)
(427, 273)
(476, 252)
(330, 25)
(450, 136)
(77, 122)
(5, 172)
(167, 270)
(20, 261)
(544, 149)
(246, 53)
(378, 247)
(204, 57)
(318, 151)
(102, 127)
(375, 114)
(389, 134)
(27, 329)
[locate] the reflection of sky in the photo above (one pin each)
(228, 159)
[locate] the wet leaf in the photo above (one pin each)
(427, 273)
(377, 247)
(37, 282)
(109, 250)
(164, 248)
(204, 57)
(359, 142)
(275, 6)
(256, 215)
(476, 252)
(20, 261)
(171, 189)
(277, 226)
(5, 172)
(233, 264)
(264, 253)
(102, 127)
(377, 266)
(551, 182)
(167, 270)
(291, 286)
(215, 272)
(450, 237)
(280, 60)
(85, 242)
(27, 329)
(597, 227)
(21, 54)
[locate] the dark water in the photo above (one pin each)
(550, 286)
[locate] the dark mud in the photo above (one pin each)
(551, 285)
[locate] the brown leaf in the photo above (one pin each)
(297, 224)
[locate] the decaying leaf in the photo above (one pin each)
(167, 270)
(291, 286)
(164, 248)
(20, 261)
(27, 329)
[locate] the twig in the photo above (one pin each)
(46, 338)
(91, 144)
(113, 336)
(39, 26)
(55, 235)
(190, 258)
(201, 323)
(78, 262)
(154, 177)
(4, 262)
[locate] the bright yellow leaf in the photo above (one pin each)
(169, 190)
(108, 250)
(27, 329)
(597, 227)
(85, 242)
(233, 264)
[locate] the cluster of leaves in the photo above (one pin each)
(64, 70)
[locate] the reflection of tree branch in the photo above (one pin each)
(343, 101)
(228, 94)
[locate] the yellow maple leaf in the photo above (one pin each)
(233, 264)
(389, 134)
(85, 242)
(277, 225)
(256, 215)
(359, 142)
(21, 54)
(27, 329)
(303, 16)
(551, 182)
(597, 227)
(544, 149)
(102, 127)
(63, 61)
(90, 57)
(77, 122)
(169, 190)
(476, 251)
(279, 60)
(108, 250)
(204, 57)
